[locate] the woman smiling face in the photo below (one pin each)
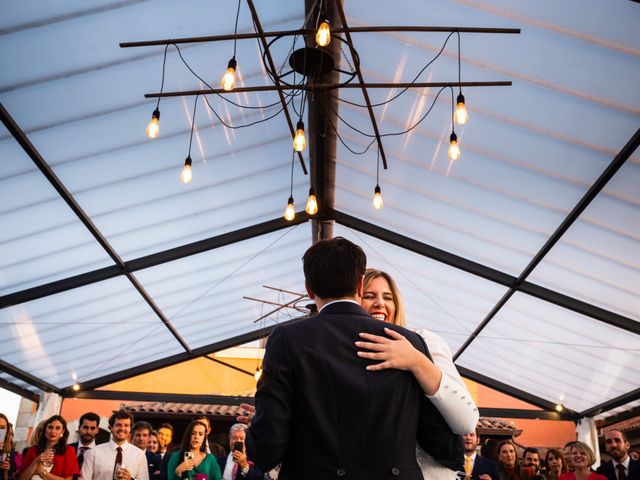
(377, 300)
(507, 455)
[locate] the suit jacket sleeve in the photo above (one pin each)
(268, 437)
(434, 434)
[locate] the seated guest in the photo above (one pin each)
(555, 464)
(477, 467)
(508, 467)
(621, 466)
(88, 428)
(582, 457)
(236, 465)
(52, 458)
(10, 459)
(140, 435)
(213, 448)
(192, 461)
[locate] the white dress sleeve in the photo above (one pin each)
(452, 399)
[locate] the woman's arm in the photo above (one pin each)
(439, 379)
(30, 464)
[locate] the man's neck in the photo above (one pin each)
(622, 460)
(321, 302)
(119, 443)
(86, 444)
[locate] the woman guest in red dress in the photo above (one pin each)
(582, 457)
(52, 458)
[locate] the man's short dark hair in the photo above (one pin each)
(168, 426)
(141, 425)
(332, 268)
(89, 416)
(120, 415)
(530, 450)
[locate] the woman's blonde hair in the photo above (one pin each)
(371, 274)
(586, 449)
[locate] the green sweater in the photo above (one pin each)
(208, 466)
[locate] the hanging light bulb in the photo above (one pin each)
(228, 81)
(187, 174)
(461, 111)
(76, 387)
(312, 203)
(289, 212)
(323, 35)
(377, 198)
(258, 373)
(454, 149)
(154, 124)
(299, 141)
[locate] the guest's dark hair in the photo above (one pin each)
(332, 268)
(530, 450)
(89, 416)
(59, 447)
(168, 426)
(142, 425)
(120, 415)
(186, 438)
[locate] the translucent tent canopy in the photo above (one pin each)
(523, 254)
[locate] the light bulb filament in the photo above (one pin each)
(323, 35)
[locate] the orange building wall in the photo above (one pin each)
(535, 433)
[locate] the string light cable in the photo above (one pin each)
(403, 90)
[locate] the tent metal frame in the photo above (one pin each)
(323, 178)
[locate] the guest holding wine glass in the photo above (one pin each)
(192, 461)
(51, 458)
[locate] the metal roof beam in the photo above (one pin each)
(611, 404)
(57, 184)
(566, 414)
(23, 392)
(582, 204)
(174, 359)
(27, 377)
(151, 260)
(160, 397)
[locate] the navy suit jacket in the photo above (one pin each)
(323, 415)
(253, 474)
(154, 462)
(484, 466)
(608, 471)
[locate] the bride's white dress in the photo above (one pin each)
(452, 400)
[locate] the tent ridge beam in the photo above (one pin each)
(27, 377)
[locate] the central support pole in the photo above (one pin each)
(322, 138)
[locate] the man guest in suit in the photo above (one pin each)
(140, 434)
(475, 466)
(236, 465)
(88, 428)
(621, 466)
(319, 411)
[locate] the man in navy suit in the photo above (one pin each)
(621, 466)
(140, 434)
(319, 411)
(88, 428)
(477, 467)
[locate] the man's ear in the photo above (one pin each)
(360, 287)
(310, 293)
